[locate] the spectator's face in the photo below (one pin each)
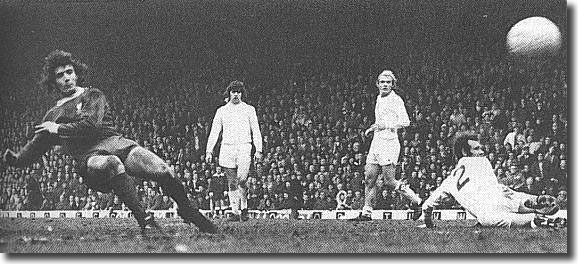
(356, 146)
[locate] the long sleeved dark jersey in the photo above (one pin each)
(84, 121)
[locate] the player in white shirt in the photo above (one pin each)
(390, 115)
(238, 122)
(475, 187)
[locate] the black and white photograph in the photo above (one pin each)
(285, 126)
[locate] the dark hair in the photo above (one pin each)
(461, 143)
(235, 86)
(56, 59)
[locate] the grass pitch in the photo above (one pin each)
(114, 235)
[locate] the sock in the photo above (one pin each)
(173, 188)
(126, 191)
(408, 193)
(243, 198)
(234, 201)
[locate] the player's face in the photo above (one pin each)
(235, 96)
(475, 148)
(65, 78)
(384, 84)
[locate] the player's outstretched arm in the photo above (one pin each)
(435, 199)
(542, 204)
(30, 152)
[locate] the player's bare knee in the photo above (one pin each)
(109, 164)
(370, 180)
(389, 181)
(159, 171)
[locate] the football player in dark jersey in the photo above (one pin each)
(81, 124)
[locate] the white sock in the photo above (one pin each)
(407, 192)
(413, 196)
(234, 201)
(243, 198)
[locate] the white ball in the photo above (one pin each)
(534, 36)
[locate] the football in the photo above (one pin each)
(534, 36)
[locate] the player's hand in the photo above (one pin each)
(546, 205)
(370, 129)
(9, 157)
(209, 157)
(258, 156)
(47, 126)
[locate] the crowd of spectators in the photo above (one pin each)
(312, 121)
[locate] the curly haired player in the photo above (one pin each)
(81, 123)
(238, 123)
(475, 187)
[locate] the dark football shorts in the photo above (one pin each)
(115, 145)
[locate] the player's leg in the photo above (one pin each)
(398, 185)
(524, 203)
(541, 204)
(243, 166)
(228, 161)
(516, 220)
(143, 163)
(212, 205)
(110, 168)
(388, 159)
(371, 174)
(234, 195)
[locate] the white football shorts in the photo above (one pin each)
(236, 156)
(384, 152)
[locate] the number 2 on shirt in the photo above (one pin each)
(460, 184)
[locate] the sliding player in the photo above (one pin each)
(474, 185)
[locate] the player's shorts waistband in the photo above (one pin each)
(236, 144)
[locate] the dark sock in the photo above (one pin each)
(173, 188)
(126, 191)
